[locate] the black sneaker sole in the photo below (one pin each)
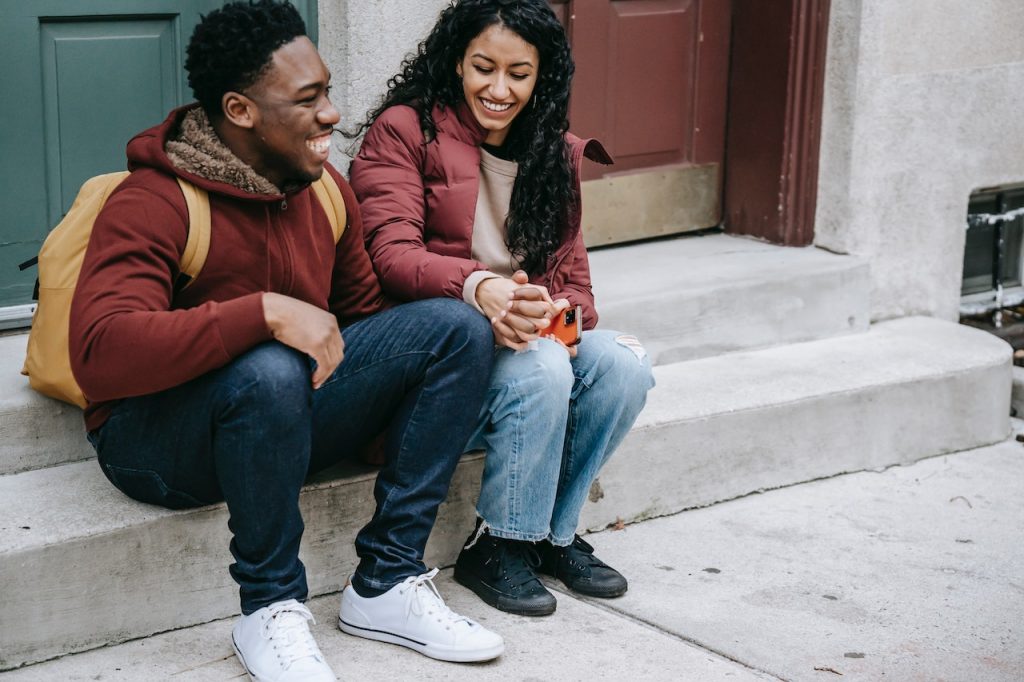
(499, 601)
(591, 591)
(588, 590)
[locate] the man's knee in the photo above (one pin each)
(457, 316)
(271, 375)
(463, 329)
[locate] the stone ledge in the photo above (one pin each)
(94, 567)
(685, 298)
(698, 296)
(36, 431)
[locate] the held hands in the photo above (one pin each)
(306, 328)
(518, 311)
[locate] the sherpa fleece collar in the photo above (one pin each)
(196, 149)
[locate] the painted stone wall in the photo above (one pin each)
(363, 42)
(924, 103)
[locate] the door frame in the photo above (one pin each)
(773, 132)
(18, 315)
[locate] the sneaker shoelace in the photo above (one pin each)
(581, 553)
(427, 601)
(288, 633)
(518, 561)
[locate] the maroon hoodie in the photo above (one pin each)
(419, 203)
(135, 331)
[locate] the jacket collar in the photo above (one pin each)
(460, 123)
(148, 150)
(197, 149)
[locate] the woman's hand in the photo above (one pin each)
(518, 311)
(559, 306)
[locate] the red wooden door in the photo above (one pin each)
(651, 84)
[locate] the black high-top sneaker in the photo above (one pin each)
(581, 571)
(502, 573)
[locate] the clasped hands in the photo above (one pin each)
(519, 311)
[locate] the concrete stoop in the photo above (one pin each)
(36, 431)
(697, 296)
(82, 566)
(684, 298)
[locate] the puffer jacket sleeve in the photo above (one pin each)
(355, 291)
(387, 178)
(576, 283)
(571, 276)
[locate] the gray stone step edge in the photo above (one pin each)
(684, 298)
(695, 297)
(1017, 400)
(92, 567)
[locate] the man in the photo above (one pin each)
(238, 385)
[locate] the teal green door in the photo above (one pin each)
(79, 78)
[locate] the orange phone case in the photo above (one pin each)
(568, 326)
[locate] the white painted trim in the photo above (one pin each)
(985, 302)
(16, 316)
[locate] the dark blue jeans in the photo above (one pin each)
(251, 432)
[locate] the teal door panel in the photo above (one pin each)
(139, 85)
(81, 78)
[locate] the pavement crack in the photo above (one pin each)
(768, 489)
(600, 604)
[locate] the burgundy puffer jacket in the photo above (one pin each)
(418, 203)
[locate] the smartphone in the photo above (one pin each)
(568, 326)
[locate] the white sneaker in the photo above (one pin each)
(274, 645)
(413, 615)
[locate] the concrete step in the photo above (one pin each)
(855, 574)
(722, 427)
(92, 567)
(574, 643)
(685, 298)
(697, 296)
(36, 431)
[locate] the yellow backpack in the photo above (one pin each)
(48, 359)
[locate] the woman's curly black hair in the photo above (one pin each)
(544, 188)
(232, 48)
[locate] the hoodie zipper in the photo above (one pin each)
(287, 251)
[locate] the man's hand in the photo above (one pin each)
(306, 328)
(518, 311)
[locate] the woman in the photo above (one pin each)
(469, 188)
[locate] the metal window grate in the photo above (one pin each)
(994, 257)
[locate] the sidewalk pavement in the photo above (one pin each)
(911, 573)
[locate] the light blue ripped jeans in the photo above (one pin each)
(548, 425)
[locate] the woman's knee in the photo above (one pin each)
(544, 371)
(623, 366)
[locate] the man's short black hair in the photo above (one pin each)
(232, 47)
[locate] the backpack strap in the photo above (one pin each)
(329, 195)
(197, 202)
(197, 246)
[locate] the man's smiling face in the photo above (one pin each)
(294, 116)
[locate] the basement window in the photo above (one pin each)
(994, 257)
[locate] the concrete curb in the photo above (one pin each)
(94, 567)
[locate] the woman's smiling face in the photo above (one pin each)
(499, 72)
